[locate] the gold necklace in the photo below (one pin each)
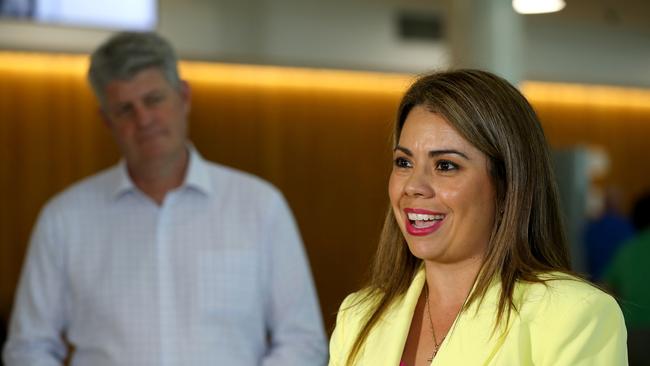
(436, 345)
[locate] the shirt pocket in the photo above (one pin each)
(227, 285)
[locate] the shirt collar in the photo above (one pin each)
(197, 176)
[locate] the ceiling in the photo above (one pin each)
(613, 13)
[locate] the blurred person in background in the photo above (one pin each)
(472, 267)
(627, 276)
(165, 258)
(17, 8)
(605, 233)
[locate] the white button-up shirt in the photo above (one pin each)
(216, 275)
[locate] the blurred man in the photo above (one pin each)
(17, 8)
(627, 276)
(605, 233)
(165, 258)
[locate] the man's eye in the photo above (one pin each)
(123, 111)
(445, 165)
(402, 163)
(153, 99)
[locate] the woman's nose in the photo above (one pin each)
(419, 184)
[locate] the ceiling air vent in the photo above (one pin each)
(420, 27)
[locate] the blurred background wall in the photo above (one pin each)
(314, 115)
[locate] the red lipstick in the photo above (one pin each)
(422, 231)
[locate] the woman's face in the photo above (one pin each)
(441, 191)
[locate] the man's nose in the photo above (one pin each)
(142, 115)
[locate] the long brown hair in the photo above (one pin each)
(527, 238)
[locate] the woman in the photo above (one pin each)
(472, 265)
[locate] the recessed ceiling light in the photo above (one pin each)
(537, 6)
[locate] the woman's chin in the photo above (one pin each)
(425, 251)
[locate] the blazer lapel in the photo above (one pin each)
(385, 344)
(471, 340)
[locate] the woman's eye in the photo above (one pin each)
(446, 165)
(402, 163)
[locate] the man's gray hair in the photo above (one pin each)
(125, 54)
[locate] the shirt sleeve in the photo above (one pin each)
(38, 321)
(295, 327)
(590, 332)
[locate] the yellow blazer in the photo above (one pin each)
(567, 323)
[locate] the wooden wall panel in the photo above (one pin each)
(322, 137)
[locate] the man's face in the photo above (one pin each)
(148, 117)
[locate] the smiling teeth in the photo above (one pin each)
(424, 217)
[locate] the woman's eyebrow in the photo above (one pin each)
(434, 153)
(404, 150)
